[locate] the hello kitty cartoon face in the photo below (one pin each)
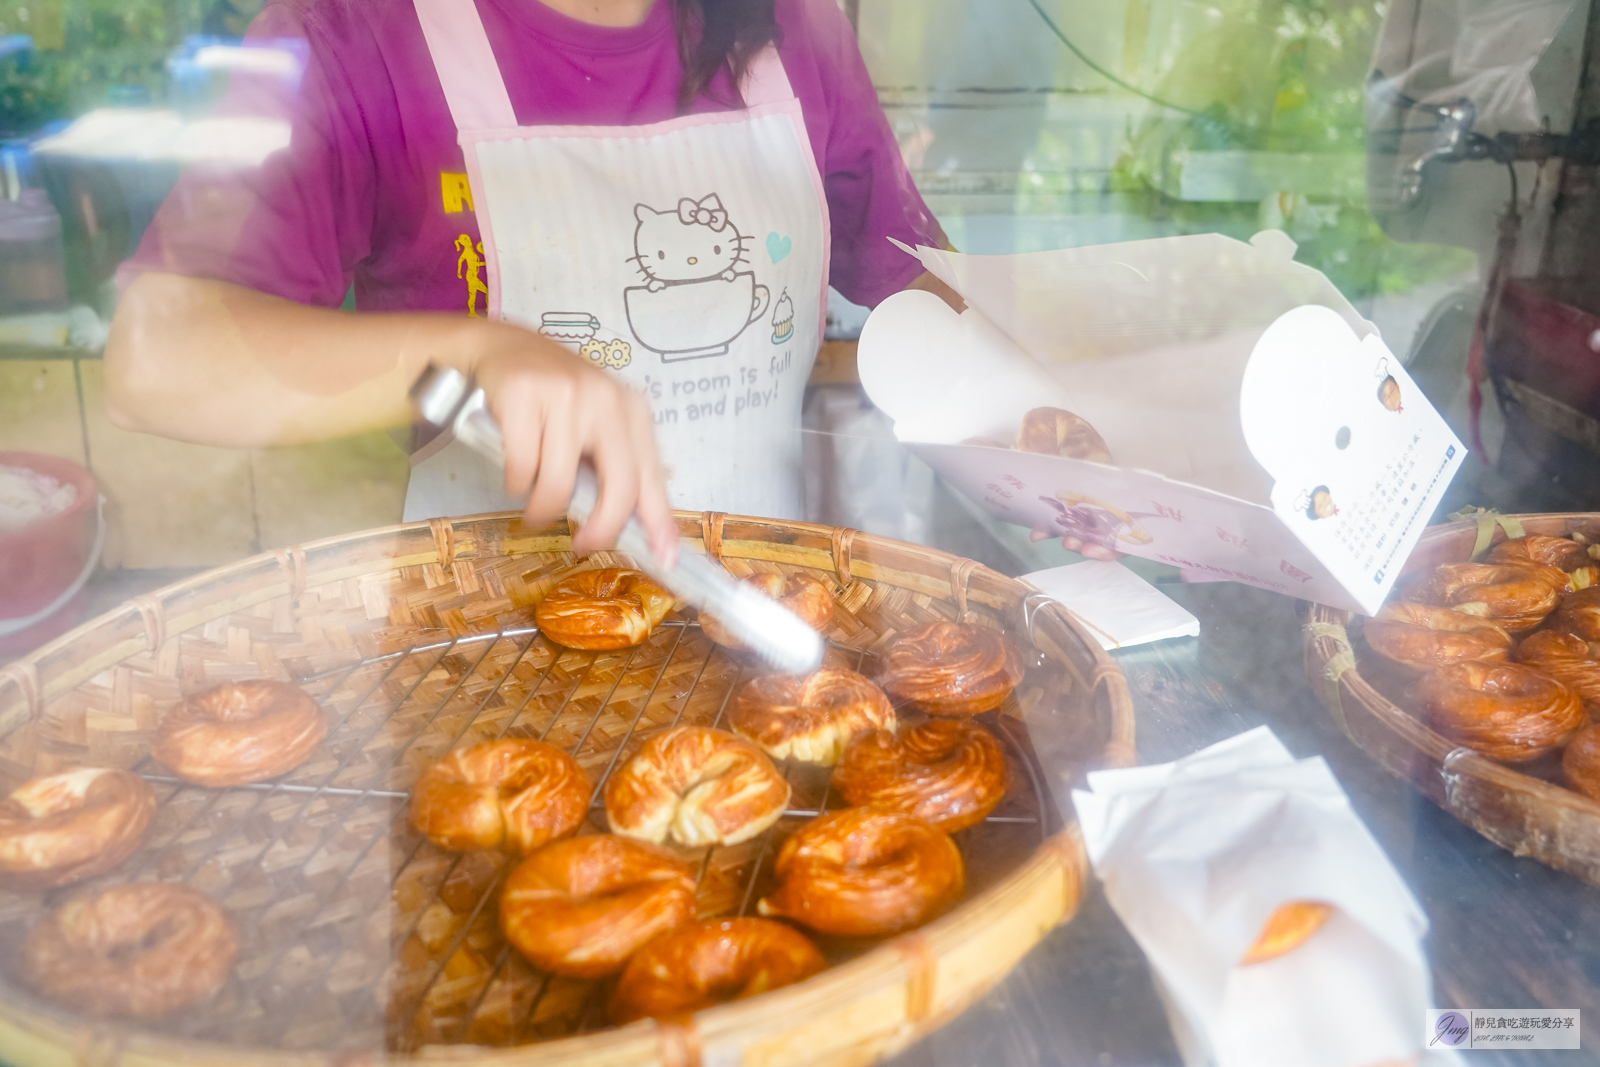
(695, 242)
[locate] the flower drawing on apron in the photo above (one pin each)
(695, 301)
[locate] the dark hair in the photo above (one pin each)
(717, 33)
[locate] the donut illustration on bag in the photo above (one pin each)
(1388, 388)
(695, 300)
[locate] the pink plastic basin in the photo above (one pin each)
(40, 561)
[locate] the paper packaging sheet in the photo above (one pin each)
(1262, 432)
(1120, 607)
(1196, 855)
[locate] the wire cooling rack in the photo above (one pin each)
(357, 933)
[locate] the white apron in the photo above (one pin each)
(688, 257)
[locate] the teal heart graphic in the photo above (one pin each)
(778, 247)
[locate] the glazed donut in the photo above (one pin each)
(582, 906)
(1515, 595)
(516, 792)
(862, 872)
(1579, 614)
(802, 594)
(63, 828)
(239, 732)
(1056, 432)
(602, 609)
(1286, 930)
(1565, 658)
(145, 949)
(1505, 711)
(949, 668)
(1562, 552)
(1421, 636)
(948, 772)
(1581, 761)
(810, 719)
(698, 785)
(709, 963)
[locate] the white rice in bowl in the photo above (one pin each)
(26, 496)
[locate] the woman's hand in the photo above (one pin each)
(217, 364)
(1087, 549)
(554, 410)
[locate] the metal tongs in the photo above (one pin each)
(447, 399)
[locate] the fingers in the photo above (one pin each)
(518, 411)
(560, 447)
(619, 489)
(654, 508)
(1098, 551)
(553, 411)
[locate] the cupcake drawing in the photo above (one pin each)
(783, 319)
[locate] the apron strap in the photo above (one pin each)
(465, 64)
(765, 82)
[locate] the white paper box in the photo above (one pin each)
(1238, 391)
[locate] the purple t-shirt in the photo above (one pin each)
(371, 188)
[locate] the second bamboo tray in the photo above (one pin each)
(363, 943)
(1531, 814)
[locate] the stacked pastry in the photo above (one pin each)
(624, 902)
(1503, 656)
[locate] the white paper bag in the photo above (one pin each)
(1196, 855)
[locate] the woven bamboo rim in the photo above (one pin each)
(93, 696)
(1527, 815)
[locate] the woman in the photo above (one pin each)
(619, 216)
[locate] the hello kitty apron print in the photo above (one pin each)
(688, 257)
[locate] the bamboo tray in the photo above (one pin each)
(362, 942)
(1524, 810)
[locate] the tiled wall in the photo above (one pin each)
(170, 504)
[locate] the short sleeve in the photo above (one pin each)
(871, 196)
(294, 223)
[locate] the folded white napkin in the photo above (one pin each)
(1120, 607)
(1196, 855)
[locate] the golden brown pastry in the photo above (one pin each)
(583, 906)
(516, 792)
(802, 594)
(239, 732)
(1516, 595)
(862, 872)
(1565, 658)
(812, 718)
(146, 949)
(710, 963)
(1286, 930)
(1579, 614)
(697, 785)
(602, 609)
(1505, 711)
(948, 772)
(1421, 636)
(950, 668)
(1562, 552)
(1056, 432)
(63, 828)
(1581, 761)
